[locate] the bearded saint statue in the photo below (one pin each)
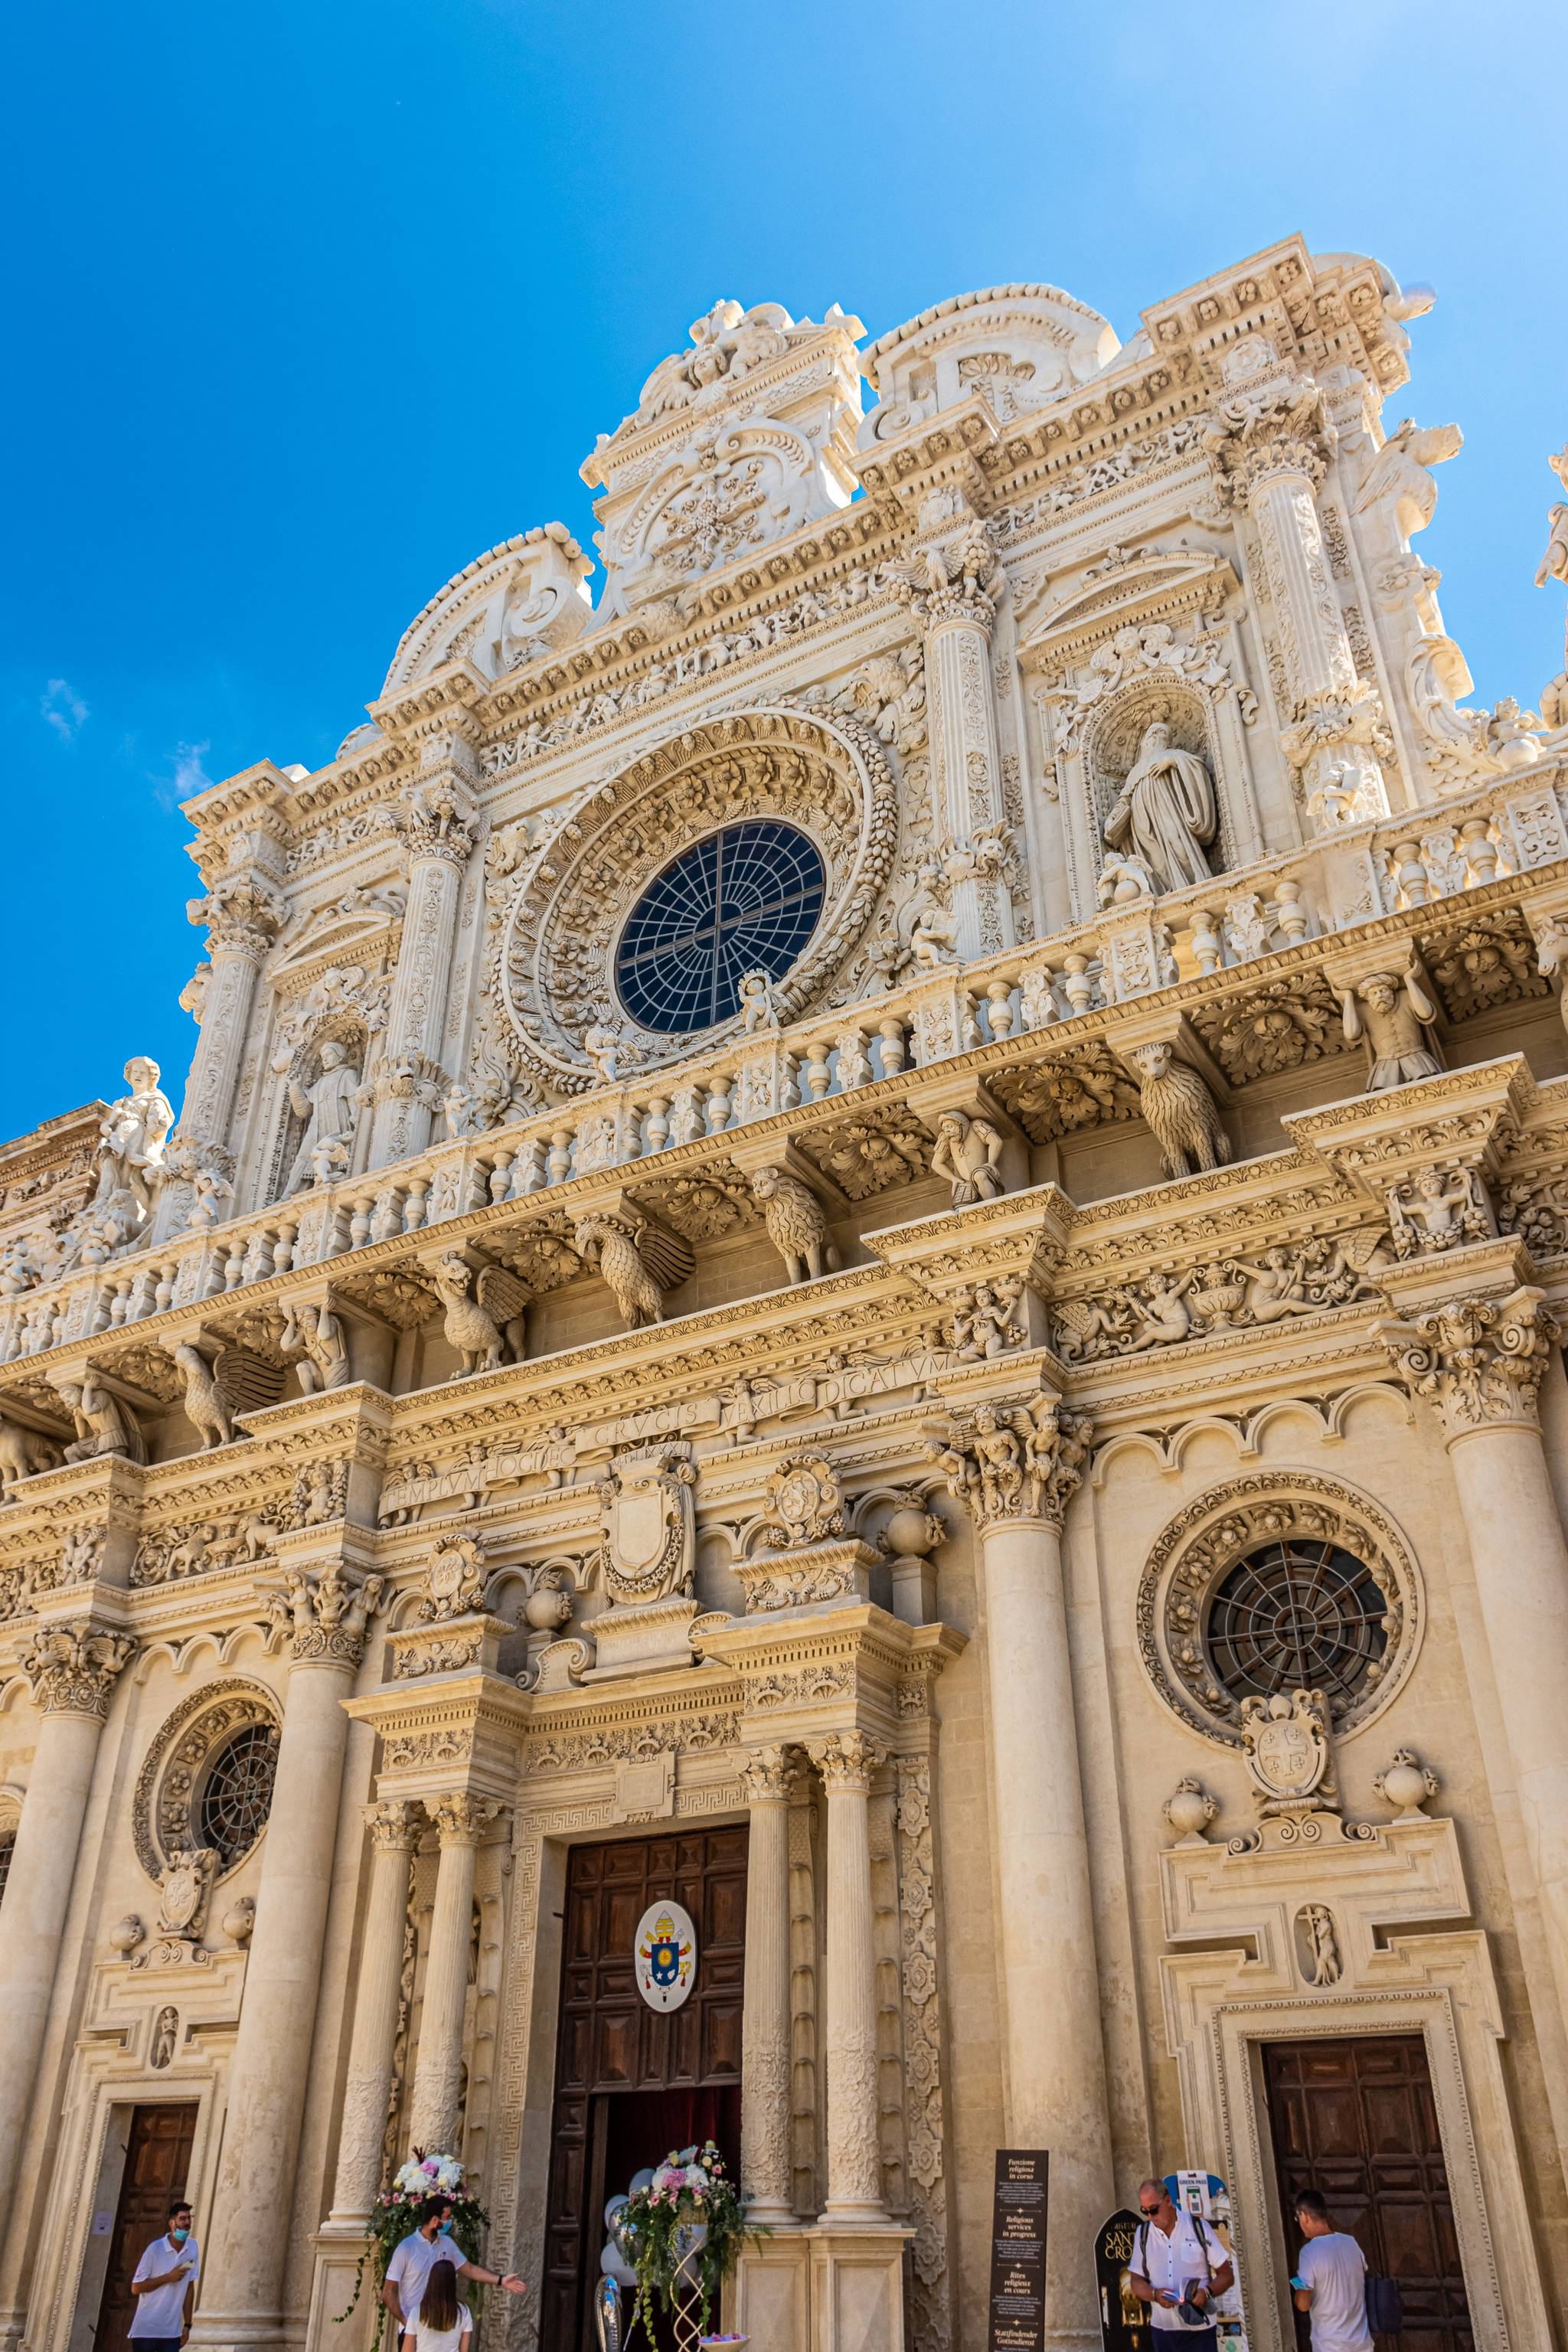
(1165, 812)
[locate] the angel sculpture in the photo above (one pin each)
(1164, 1315)
(1554, 562)
(488, 1328)
(759, 1000)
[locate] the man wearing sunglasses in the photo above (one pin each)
(1178, 2267)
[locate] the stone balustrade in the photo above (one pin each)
(1297, 908)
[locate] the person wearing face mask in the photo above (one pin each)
(164, 2285)
(404, 2286)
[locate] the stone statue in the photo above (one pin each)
(131, 1154)
(1553, 564)
(1165, 815)
(103, 1425)
(1390, 1008)
(329, 1108)
(969, 1154)
(313, 1340)
(928, 928)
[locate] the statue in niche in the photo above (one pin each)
(330, 1107)
(1165, 815)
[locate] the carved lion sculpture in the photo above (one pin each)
(23, 1452)
(1179, 1108)
(797, 1226)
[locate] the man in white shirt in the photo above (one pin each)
(164, 2285)
(1178, 2267)
(1331, 2280)
(404, 2285)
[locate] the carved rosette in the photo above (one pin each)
(1479, 1362)
(1007, 1460)
(73, 1670)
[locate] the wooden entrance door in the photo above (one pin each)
(1356, 2120)
(631, 2082)
(157, 2158)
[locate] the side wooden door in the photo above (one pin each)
(157, 2158)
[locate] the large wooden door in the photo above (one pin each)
(157, 2158)
(632, 2082)
(1356, 2120)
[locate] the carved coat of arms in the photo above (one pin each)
(1286, 1739)
(650, 1526)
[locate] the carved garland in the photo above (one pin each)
(162, 1810)
(551, 974)
(1195, 1551)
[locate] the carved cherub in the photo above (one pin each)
(759, 999)
(1390, 1009)
(928, 928)
(969, 1154)
(1276, 1289)
(608, 1051)
(1164, 1315)
(1432, 1211)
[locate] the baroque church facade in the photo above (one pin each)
(867, 1235)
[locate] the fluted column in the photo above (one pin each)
(1479, 1362)
(766, 2168)
(461, 1822)
(244, 915)
(846, 1760)
(438, 830)
(395, 1832)
(242, 2285)
(1018, 1464)
(72, 1669)
(1270, 453)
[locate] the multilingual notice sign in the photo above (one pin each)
(1019, 2251)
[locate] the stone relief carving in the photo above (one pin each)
(1179, 1107)
(795, 1224)
(982, 1323)
(103, 1424)
(454, 1582)
(924, 2125)
(1285, 1742)
(330, 1107)
(804, 1503)
(487, 1328)
(1477, 1360)
(312, 1340)
(639, 1261)
(968, 1153)
(73, 1669)
(1198, 1548)
(1015, 1461)
(1223, 1296)
(1435, 1209)
(327, 1616)
(1321, 1963)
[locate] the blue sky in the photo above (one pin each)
(312, 303)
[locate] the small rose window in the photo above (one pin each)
(1299, 1615)
(236, 1795)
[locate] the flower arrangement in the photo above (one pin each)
(686, 2227)
(396, 2213)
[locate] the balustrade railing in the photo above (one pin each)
(1136, 945)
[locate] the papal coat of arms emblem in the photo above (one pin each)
(664, 1954)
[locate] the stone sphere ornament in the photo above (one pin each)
(1406, 1784)
(912, 1531)
(1189, 1809)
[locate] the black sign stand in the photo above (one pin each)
(1125, 2325)
(1019, 2251)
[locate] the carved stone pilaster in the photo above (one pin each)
(1478, 1361)
(438, 826)
(768, 1778)
(73, 1669)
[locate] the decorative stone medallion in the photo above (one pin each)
(665, 1955)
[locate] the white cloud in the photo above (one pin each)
(187, 777)
(63, 708)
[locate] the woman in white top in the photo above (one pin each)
(443, 2324)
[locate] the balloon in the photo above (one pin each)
(643, 2180)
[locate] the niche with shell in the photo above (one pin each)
(1110, 752)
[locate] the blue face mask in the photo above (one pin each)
(179, 2236)
(445, 2231)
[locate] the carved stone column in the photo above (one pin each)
(242, 2286)
(765, 2169)
(72, 1669)
(965, 760)
(243, 914)
(394, 1832)
(438, 829)
(1270, 455)
(1479, 1361)
(1016, 1462)
(846, 1760)
(462, 1822)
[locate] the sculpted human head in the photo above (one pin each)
(142, 1075)
(332, 1054)
(1156, 738)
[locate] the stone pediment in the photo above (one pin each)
(339, 934)
(1128, 587)
(1019, 347)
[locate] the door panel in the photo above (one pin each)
(157, 2158)
(1356, 2120)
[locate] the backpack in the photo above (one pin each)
(1385, 2305)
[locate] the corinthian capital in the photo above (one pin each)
(766, 1776)
(395, 1825)
(72, 1669)
(461, 1819)
(846, 1759)
(330, 1617)
(1275, 428)
(1479, 1361)
(435, 820)
(1015, 1460)
(243, 914)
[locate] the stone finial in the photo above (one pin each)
(1188, 1810)
(1406, 1784)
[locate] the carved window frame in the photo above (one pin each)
(1196, 1550)
(165, 1811)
